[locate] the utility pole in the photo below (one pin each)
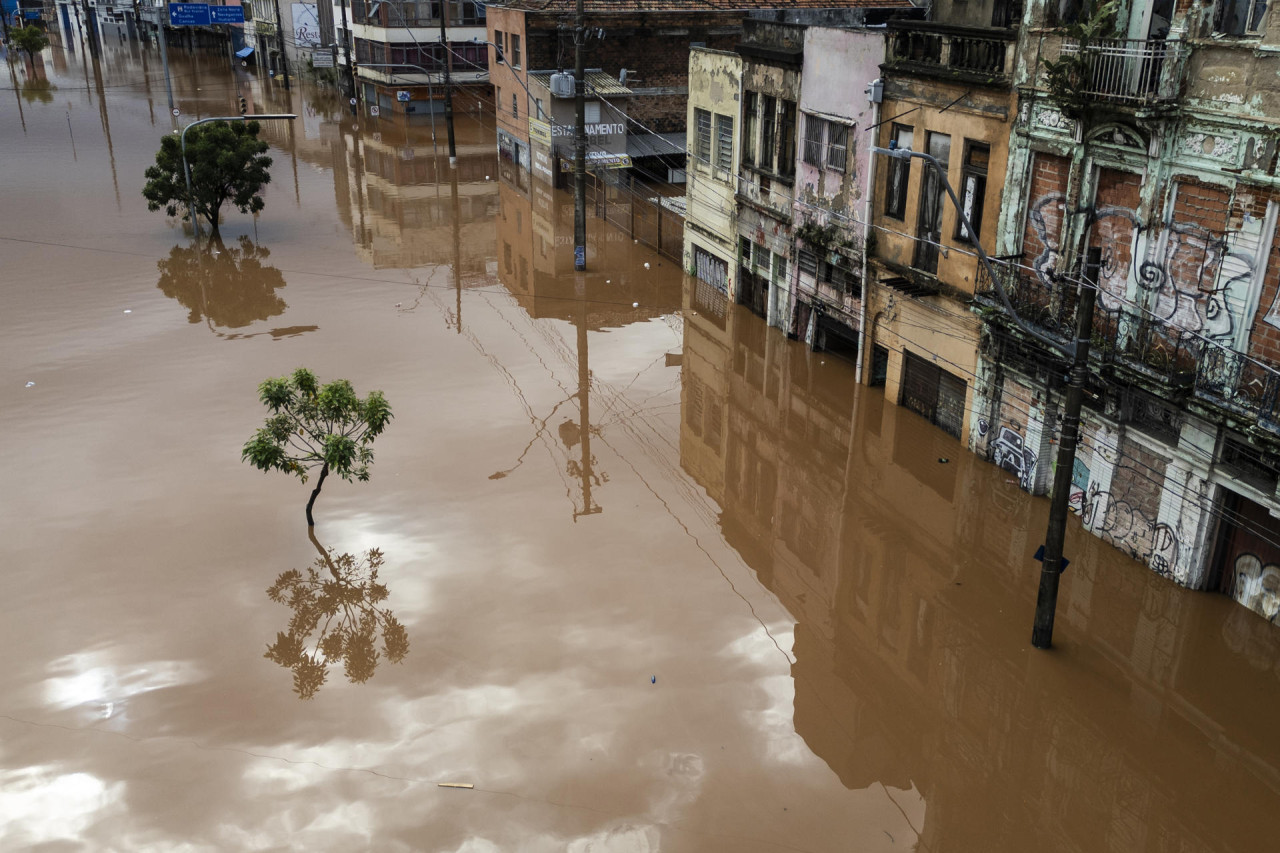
(579, 143)
(163, 19)
(1051, 569)
(90, 21)
(448, 84)
(346, 52)
(584, 412)
(284, 59)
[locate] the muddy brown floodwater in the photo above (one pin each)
(649, 576)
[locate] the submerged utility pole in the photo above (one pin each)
(579, 144)
(346, 52)
(284, 58)
(448, 84)
(164, 57)
(1051, 569)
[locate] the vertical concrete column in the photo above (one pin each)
(1040, 436)
(1186, 504)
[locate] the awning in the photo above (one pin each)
(244, 52)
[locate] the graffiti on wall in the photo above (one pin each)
(1130, 529)
(1257, 586)
(1185, 274)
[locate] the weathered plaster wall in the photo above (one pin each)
(715, 80)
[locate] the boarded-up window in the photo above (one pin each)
(724, 142)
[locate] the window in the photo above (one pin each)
(702, 126)
(542, 113)
(973, 187)
(515, 106)
(837, 146)
(591, 112)
(808, 263)
(814, 131)
(515, 50)
(749, 127)
(724, 142)
(500, 40)
(932, 192)
(787, 140)
(744, 252)
(497, 98)
(895, 198)
(1239, 17)
(768, 122)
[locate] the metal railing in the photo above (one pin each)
(1182, 360)
(1130, 70)
(949, 48)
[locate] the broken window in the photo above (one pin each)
(814, 131)
(787, 140)
(748, 127)
(768, 123)
(1239, 17)
(837, 146)
(895, 200)
(973, 188)
(724, 142)
(702, 145)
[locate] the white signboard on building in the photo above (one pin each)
(306, 25)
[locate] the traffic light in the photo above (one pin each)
(244, 106)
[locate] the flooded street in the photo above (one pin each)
(669, 581)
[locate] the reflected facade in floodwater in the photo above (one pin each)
(226, 286)
(906, 577)
(337, 618)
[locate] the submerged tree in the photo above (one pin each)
(336, 617)
(30, 40)
(228, 163)
(313, 425)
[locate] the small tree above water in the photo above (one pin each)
(312, 426)
(228, 163)
(30, 40)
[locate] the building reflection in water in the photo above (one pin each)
(911, 583)
(535, 264)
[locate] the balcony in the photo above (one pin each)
(973, 54)
(1130, 71)
(1128, 339)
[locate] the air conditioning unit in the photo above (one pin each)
(562, 85)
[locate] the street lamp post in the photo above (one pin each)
(1078, 352)
(186, 167)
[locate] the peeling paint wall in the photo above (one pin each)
(715, 81)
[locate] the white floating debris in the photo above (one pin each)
(646, 264)
(635, 304)
(31, 384)
(128, 310)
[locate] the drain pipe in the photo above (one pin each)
(875, 93)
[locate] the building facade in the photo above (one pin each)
(1162, 192)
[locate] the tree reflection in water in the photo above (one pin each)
(336, 617)
(226, 286)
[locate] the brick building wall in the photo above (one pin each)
(1047, 196)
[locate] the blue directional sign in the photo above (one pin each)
(189, 14)
(226, 14)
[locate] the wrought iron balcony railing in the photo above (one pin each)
(1131, 71)
(1185, 362)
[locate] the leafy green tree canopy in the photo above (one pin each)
(30, 40)
(336, 617)
(228, 164)
(317, 425)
